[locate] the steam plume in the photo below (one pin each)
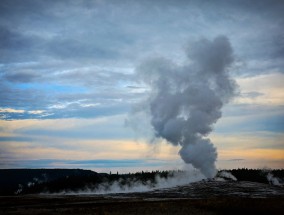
(185, 101)
(273, 180)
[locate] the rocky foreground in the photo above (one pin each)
(205, 197)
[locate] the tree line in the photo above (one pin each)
(26, 181)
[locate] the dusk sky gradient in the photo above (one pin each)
(69, 82)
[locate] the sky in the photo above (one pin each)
(68, 72)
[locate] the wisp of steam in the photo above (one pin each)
(185, 101)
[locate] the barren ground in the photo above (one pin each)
(208, 197)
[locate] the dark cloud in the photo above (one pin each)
(11, 40)
(28, 99)
(272, 9)
(102, 30)
(278, 42)
(47, 29)
(24, 76)
(15, 46)
(63, 44)
(16, 139)
(236, 159)
(79, 50)
(252, 94)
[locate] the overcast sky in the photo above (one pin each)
(68, 80)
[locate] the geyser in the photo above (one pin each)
(185, 101)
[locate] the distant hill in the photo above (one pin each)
(13, 181)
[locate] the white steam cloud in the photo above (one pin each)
(176, 179)
(184, 102)
(273, 180)
(127, 185)
(227, 175)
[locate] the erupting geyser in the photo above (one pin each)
(185, 101)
